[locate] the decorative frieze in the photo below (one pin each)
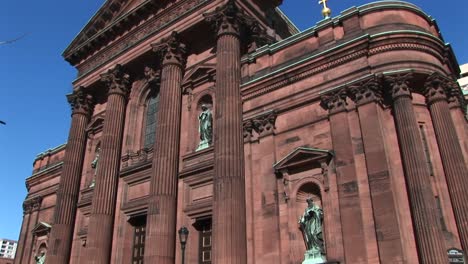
(134, 37)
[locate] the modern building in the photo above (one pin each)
(221, 117)
(8, 248)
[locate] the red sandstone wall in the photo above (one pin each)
(273, 206)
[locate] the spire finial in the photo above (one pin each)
(326, 12)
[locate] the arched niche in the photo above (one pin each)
(203, 99)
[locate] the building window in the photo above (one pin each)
(422, 130)
(205, 242)
(151, 121)
(139, 241)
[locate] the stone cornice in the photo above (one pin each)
(137, 35)
(103, 26)
(348, 50)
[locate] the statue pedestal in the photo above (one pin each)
(203, 145)
(314, 257)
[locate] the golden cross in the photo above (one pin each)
(324, 2)
(326, 12)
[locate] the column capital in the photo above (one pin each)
(152, 76)
(31, 205)
(247, 128)
(117, 81)
(399, 85)
(435, 88)
(367, 91)
(81, 102)
(229, 19)
(172, 50)
(455, 95)
(334, 102)
(265, 123)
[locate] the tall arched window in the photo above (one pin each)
(151, 120)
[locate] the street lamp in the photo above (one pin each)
(183, 234)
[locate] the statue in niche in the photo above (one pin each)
(205, 128)
(94, 165)
(311, 225)
(40, 259)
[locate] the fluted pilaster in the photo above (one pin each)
(430, 241)
(101, 222)
(368, 97)
(347, 178)
(162, 208)
(61, 235)
(451, 153)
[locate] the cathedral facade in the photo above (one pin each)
(221, 117)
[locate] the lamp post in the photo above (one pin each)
(183, 234)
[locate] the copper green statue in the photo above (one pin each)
(311, 225)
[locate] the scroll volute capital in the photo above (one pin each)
(399, 85)
(435, 88)
(81, 102)
(368, 91)
(334, 102)
(117, 81)
(231, 20)
(172, 50)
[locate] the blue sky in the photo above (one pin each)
(35, 78)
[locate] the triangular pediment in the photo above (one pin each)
(200, 74)
(42, 228)
(304, 156)
(112, 17)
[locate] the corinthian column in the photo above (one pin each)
(451, 153)
(229, 216)
(430, 241)
(69, 186)
(101, 221)
(162, 207)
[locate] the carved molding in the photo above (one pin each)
(132, 158)
(117, 81)
(172, 51)
(265, 123)
(435, 88)
(81, 102)
(370, 90)
(31, 205)
(334, 102)
(247, 127)
(134, 37)
(399, 85)
(455, 96)
(152, 76)
(229, 19)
